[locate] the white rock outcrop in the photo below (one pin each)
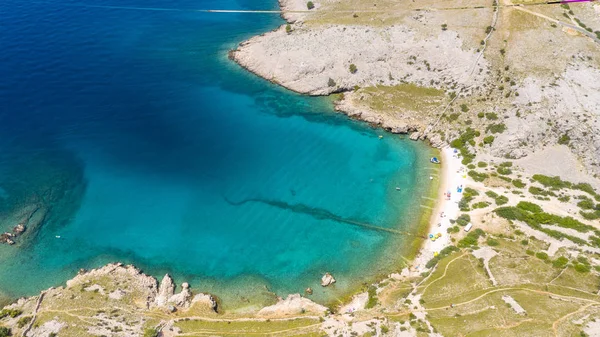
(327, 280)
(294, 304)
(165, 291)
(205, 299)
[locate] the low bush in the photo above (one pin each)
(5, 332)
(481, 204)
(463, 219)
(582, 268)
(488, 140)
(501, 200)
(10, 312)
(310, 5)
(496, 128)
(554, 182)
(518, 183)
(586, 204)
(541, 255)
(477, 176)
(372, 302)
(504, 170)
(491, 194)
(442, 254)
(560, 262)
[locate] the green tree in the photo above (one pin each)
(288, 28)
(353, 68)
(310, 5)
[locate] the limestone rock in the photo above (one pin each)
(207, 300)
(436, 141)
(327, 280)
(415, 136)
(183, 298)
(294, 304)
(165, 291)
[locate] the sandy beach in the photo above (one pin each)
(453, 175)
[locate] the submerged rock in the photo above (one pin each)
(309, 291)
(327, 280)
(19, 229)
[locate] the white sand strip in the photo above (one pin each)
(453, 175)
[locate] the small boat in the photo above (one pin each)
(434, 160)
(380, 137)
(397, 188)
(58, 236)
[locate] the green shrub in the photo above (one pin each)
(554, 182)
(353, 68)
(10, 312)
(23, 321)
(586, 204)
(492, 242)
(501, 200)
(5, 332)
(564, 198)
(524, 242)
(464, 108)
(151, 332)
(564, 139)
(582, 268)
(529, 252)
(331, 82)
(288, 29)
(442, 254)
(491, 194)
(480, 115)
(590, 215)
(491, 116)
(541, 255)
(504, 170)
(588, 189)
(518, 183)
(529, 206)
(372, 302)
(540, 191)
(463, 219)
(561, 262)
(477, 176)
(310, 5)
(496, 128)
(482, 164)
(481, 204)
(488, 140)
(453, 229)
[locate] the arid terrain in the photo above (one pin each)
(510, 93)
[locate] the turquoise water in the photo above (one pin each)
(148, 146)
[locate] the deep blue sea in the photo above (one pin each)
(146, 144)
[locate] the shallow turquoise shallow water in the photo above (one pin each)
(149, 146)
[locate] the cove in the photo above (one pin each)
(146, 145)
